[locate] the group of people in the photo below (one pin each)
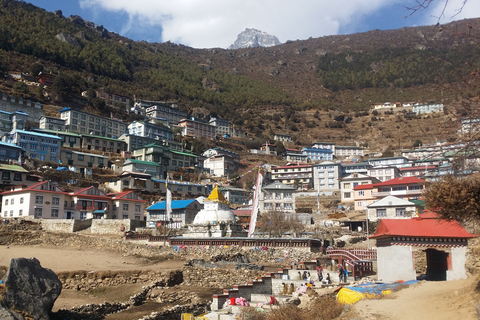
(306, 276)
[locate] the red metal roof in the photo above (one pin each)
(363, 186)
(401, 180)
(417, 168)
(293, 166)
(421, 227)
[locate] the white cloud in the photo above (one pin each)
(216, 23)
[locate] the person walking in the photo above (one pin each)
(345, 275)
(341, 273)
(320, 273)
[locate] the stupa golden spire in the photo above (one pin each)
(216, 196)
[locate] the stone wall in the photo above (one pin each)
(64, 225)
(82, 224)
(107, 226)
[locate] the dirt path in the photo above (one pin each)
(425, 300)
(62, 259)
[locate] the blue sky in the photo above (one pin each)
(216, 23)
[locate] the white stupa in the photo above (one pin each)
(215, 210)
(215, 220)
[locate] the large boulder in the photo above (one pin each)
(30, 288)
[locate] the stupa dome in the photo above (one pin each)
(215, 210)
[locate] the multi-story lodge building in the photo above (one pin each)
(348, 183)
(87, 123)
(157, 109)
(69, 139)
(220, 162)
(407, 188)
(222, 126)
(103, 144)
(197, 129)
(12, 120)
(43, 147)
(348, 151)
(11, 152)
(277, 196)
(150, 130)
(294, 155)
(127, 205)
(384, 173)
(115, 101)
(82, 162)
(47, 200)
(152, 168)
(300, 175)
(398, 162)
(51, 123)
(318, 154)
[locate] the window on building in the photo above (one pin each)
(361, 193)
(55, 201)
(38, 199)
(346, 194)
(400, 212)
(54, 212)
(381, 212)
(346, 185)
(38, 212)
(12, 201)
(17, 176)
(125, 207)
(21, 200)
(6, 175)
(137, 208)
(20, 212)
(6, 202)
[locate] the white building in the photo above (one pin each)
(87, 123)
(222, 126)
(391, 207)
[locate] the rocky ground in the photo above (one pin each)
(110, 278)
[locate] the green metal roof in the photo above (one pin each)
(141, 162)
(12, 167)
(55, 132)
(100, 137)
(184, 153)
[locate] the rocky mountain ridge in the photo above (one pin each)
(251, 38)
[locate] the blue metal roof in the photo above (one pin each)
(39, 134)
(176, 204)
(11, 145)
(317, 150)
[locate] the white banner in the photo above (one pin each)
(256, 199)
(168, 206)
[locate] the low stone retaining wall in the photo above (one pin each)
(86, 281)
(110, 226)
(65, 225)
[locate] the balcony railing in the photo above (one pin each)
(85, 208)
(396, 193)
